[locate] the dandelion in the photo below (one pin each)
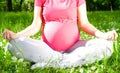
(1, 44)
(81, 70)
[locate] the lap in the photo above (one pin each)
(82, 52)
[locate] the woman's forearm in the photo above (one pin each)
(30, 30)
(90, 29)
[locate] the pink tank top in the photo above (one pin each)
(60, 29)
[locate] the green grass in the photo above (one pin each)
(16, 21)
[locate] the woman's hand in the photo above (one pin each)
(110, 35)
(9, 35)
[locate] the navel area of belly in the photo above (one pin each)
(59, 34)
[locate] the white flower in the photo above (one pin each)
(37, 65)
(102, 66)
(1, 44)
(72, 70)
(5, 50)
(93, 68)
(14, 58)
(96, 71)
(81, 70)
(4, 40)
(86, 64)
(88, 71)
(21, 60)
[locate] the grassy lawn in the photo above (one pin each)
(16, 21)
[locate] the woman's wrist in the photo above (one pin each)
(100, 34)
(19, 34)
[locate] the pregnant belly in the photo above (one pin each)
(60, 36)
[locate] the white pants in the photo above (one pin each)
(83, 52)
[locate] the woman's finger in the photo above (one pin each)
(112, 35)
(4, 34)
(8, 35)
(115, 35)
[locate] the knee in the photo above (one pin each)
(14, 43)
(104, 46)
(11, 45)
(107, 47)
(17, 40)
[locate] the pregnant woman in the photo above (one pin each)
(60, 45)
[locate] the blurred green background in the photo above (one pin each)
(27, 5)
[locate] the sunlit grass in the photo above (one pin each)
(103, 20)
